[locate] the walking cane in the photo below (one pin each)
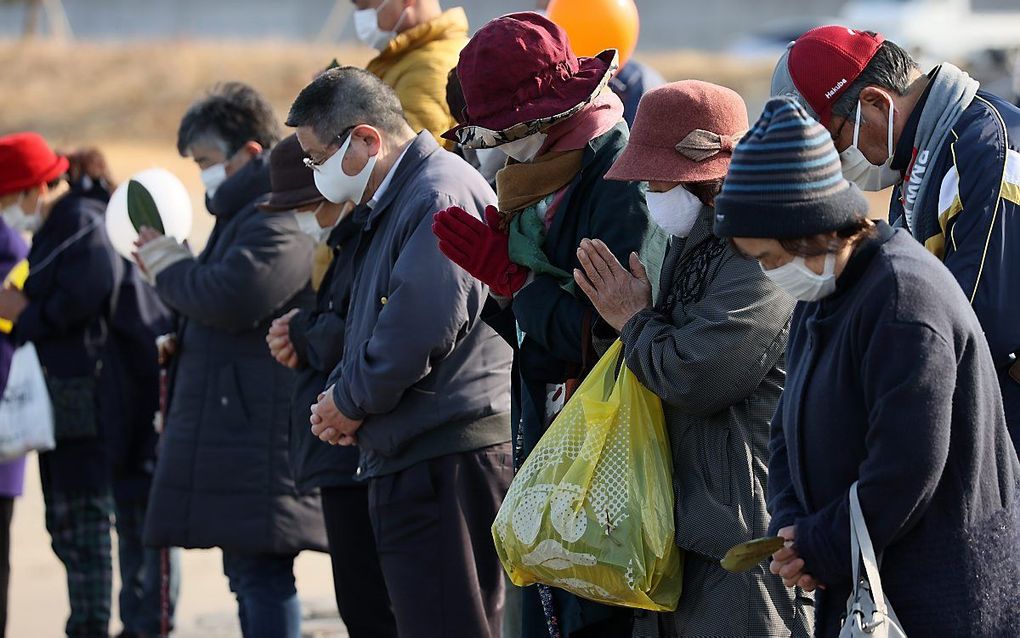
(164, 552)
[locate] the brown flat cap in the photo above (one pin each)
(293, 182)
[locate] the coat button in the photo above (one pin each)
(224, 401)
(671, 299)
(383, 300)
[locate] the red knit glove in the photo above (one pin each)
(477, 248)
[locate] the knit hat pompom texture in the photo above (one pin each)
(785, 180)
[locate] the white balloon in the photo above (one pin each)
(172, 200)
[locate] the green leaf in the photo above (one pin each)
(142, 209)
(745, 556)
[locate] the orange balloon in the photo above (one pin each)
(596, 25)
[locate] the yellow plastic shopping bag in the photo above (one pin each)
(591, 510)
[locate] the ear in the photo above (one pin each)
(253, 148)
(876, 99)
(369, 136)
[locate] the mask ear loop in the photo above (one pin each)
(892, 108)
(857, 125)
(830, 265)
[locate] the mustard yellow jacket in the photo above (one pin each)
(416, 64)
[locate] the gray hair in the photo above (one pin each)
(343, 97)
(891, 68)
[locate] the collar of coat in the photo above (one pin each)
(452, 24)
(420, 149)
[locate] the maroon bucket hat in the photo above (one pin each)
(518, 74)
(292, 182)
(683, 132)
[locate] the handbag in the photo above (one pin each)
(868, 613)
(26, 415)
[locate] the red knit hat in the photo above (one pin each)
(683, 132)
(824, 62)
(26, 161)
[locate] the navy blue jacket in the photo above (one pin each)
(73, 275)
(224, 476)
(317, 333)
(553, 321)
(972, 222)
(890, 384)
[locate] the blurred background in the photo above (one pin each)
(118, 74)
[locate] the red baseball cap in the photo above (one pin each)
(26, 161)
(825, 61)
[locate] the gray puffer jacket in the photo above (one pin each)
(223, 477)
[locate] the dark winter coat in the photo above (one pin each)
(428, 377)
(317, 334)
(553, 321)
(224, 478)
(969, 222)
(891, 384)
(712, 349)
(73, 276)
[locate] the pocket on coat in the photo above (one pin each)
(715, 464)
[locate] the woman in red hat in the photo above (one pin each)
(553, 114)
(63, 311)
(710, 344)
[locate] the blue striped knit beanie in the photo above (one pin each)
(785, 180)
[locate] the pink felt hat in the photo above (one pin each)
(683, 132)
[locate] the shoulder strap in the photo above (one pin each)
(862, 551)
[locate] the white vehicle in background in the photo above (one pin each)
(937, 30)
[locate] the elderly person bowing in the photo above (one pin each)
(711, 346)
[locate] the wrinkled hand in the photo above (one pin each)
(479, 249)
(279, 342)
(330, 425)
(12, 303)
(790, 566)
(616, 294)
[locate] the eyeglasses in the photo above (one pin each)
(314, 165)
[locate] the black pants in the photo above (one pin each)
(6, 513)
(358, 582)
(432, 530)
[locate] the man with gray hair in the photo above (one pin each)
(423, 384)
(950, 149)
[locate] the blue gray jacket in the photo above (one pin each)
(428, 377)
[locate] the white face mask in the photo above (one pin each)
(802, 283)
(525, 149)
(366, 26)
(859, 170)
(308, 223)
(15, 217)
(675, 211)
(213, 177)
(336, 185)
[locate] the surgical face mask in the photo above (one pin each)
(859, 170)
(336, 185)
(802, 283)
(525, 149)
(308, 223)
(675, 211)
(15, 217)
(366, 26)
(213, 177)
